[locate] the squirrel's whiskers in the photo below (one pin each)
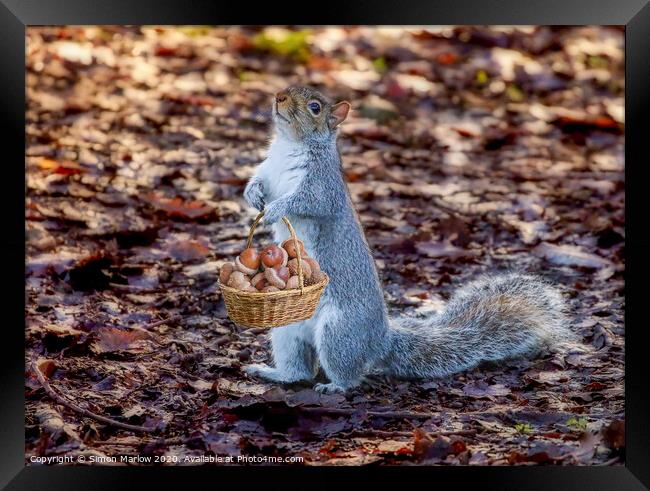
(304, 114)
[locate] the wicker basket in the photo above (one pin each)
(253, 309)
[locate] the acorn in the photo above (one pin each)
(242, 268)
(273, 256)
(316, 277)
(277, 276)
(225, 272)
(238, 280)
(259, 281)
(251, 258)
(306, 268)
(289, 246)
(315, 267)
(293, 283)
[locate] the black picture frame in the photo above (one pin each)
(15, 15)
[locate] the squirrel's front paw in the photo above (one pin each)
(254, 194)
(274, 211)
(329, 388)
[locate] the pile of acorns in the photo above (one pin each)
(272, 269)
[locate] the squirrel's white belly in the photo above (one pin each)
(282, 172)
(283, 169)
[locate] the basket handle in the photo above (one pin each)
(249, 244)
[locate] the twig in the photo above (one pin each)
(58, 398)
(160, 322)
(173, 318)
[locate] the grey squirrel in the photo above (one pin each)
(351, 335)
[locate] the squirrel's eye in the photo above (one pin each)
(314, 107)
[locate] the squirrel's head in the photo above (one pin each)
(303, 113)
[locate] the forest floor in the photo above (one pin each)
(468, 150)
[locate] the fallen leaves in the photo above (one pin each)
(445, 250)
(89, 273)
(447, 58)
(473, 155)
(179, 208)
(538, 454)
(570, 124)
(429, 451)
(614, 435)
(569, 255)
(110, 339)
(63, 167)
(587, 446)
(481, 390)
(47, 367)
(53, 424)
(56, 262)
(188, 250)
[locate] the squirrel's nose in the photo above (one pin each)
(280, 97)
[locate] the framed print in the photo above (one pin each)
(265, 243)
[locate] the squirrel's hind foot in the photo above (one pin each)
(275, 375)
(330, 388)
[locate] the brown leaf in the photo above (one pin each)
(447, 58)
(568, 255)
(276, 394)
(421, 442)
(393, 447)
(52, 423)
(424, 448)
(455, 231)
(47, 367)
(186, 250)
(587, 123)
(481, 390)
(595, 386)
(111, 339)
(585, 451)
(614, 435)
(305, 397)
(444, 249)
(62, 167)
(324, 63)
(537, 457)
(177, 207)
(551, 377)
(540, 453)
(192, 100)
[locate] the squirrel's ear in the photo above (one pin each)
(339, 113)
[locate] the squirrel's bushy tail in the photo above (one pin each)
(492, 318)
